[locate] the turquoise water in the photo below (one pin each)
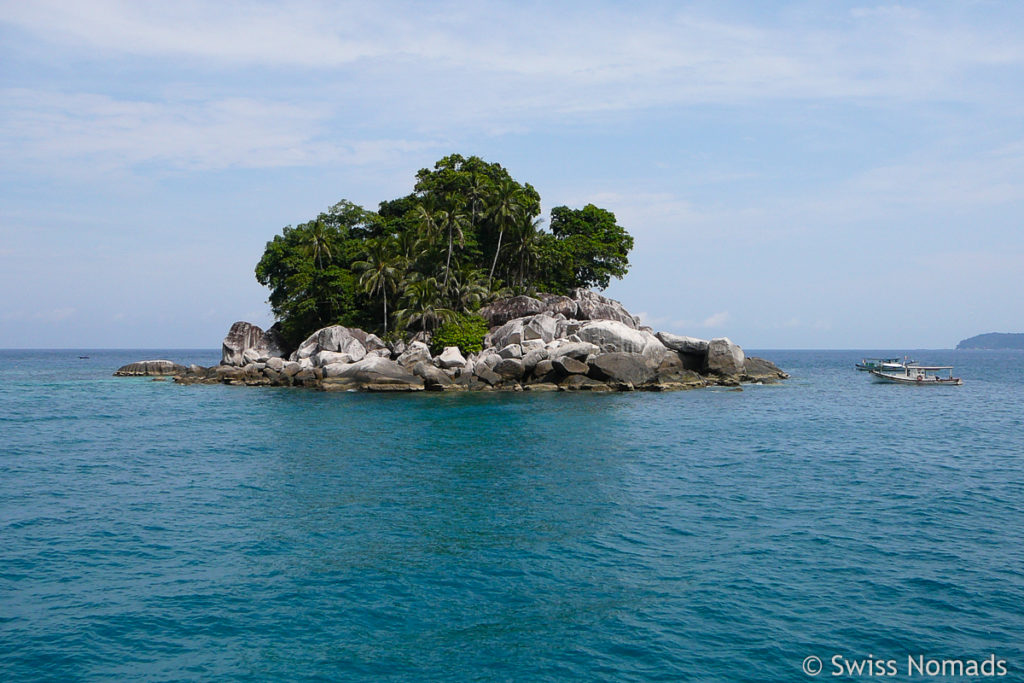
(160, 532)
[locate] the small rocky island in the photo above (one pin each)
(993, 340)
(453, 278)
(582, 342)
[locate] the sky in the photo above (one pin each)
(795, 174)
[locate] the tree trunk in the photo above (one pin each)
(495, 261)
(449, 259)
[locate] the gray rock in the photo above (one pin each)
(509, 333)
(397, 348)
(532, 345)
(413, 354)
(488, 376)
(430, 374)
(683, 344)
(724, 357)
(243, 337)
(322, 359)
(377, 370)
(543, 327)
(291, 368)
(582, 383)
(337, 369)
(579, 350)
(276, 364)
(761, 370)
(151, 368)
(629, 368)
(509, 368)
(569, 366)
(593, 306)
(653, 348)
(543, 369)
(451, 357)
(560, 305)
(503, 310)
(370, 342)
(343, 340)
(566, 328)
(511, 351)
(612, 335)
(531, 359)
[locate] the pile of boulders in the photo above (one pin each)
(585, 342)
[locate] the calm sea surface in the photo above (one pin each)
(160, 532)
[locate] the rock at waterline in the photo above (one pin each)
(151, 368)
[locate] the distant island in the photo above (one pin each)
(993, 340)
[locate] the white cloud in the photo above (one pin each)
(521, 57)
(716, 320)
(212, 134)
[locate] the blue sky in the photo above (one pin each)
(795, 174)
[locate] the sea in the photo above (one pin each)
(827, 527)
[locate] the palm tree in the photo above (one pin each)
(318, 242)
(506, 210)
(468, 288)
(453, 222)
(380, 270)
(524, 248)
(476, 193)
(426, 220)
(422, 301)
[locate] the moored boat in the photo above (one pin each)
(918, 375)
(887, 364)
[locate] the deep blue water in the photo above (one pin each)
(162, 532)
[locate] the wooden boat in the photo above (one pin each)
(919, 375)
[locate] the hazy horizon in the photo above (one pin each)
(796, 175)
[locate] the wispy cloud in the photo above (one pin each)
(213, 134)
(54, 315)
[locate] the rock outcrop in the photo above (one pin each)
(585, 342)
(247, 343)
(151, 368)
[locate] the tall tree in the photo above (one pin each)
(506, 210)
(454, 223)
(380, 271)
(525, 247)
(423, 304)
(588, 248)
(318, 241)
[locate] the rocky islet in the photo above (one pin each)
(582, 342)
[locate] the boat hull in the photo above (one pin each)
(915, 380)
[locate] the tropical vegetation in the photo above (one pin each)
(467, 234)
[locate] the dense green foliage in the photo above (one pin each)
(464, 330)
(468, 232)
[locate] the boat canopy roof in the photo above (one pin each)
(931, 367)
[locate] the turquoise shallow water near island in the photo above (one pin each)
(159, 532)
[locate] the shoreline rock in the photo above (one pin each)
(553, 343)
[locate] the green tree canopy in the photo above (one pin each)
(467, 233)
(586, 248)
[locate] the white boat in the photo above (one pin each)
(887, 364)
(918, 375)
